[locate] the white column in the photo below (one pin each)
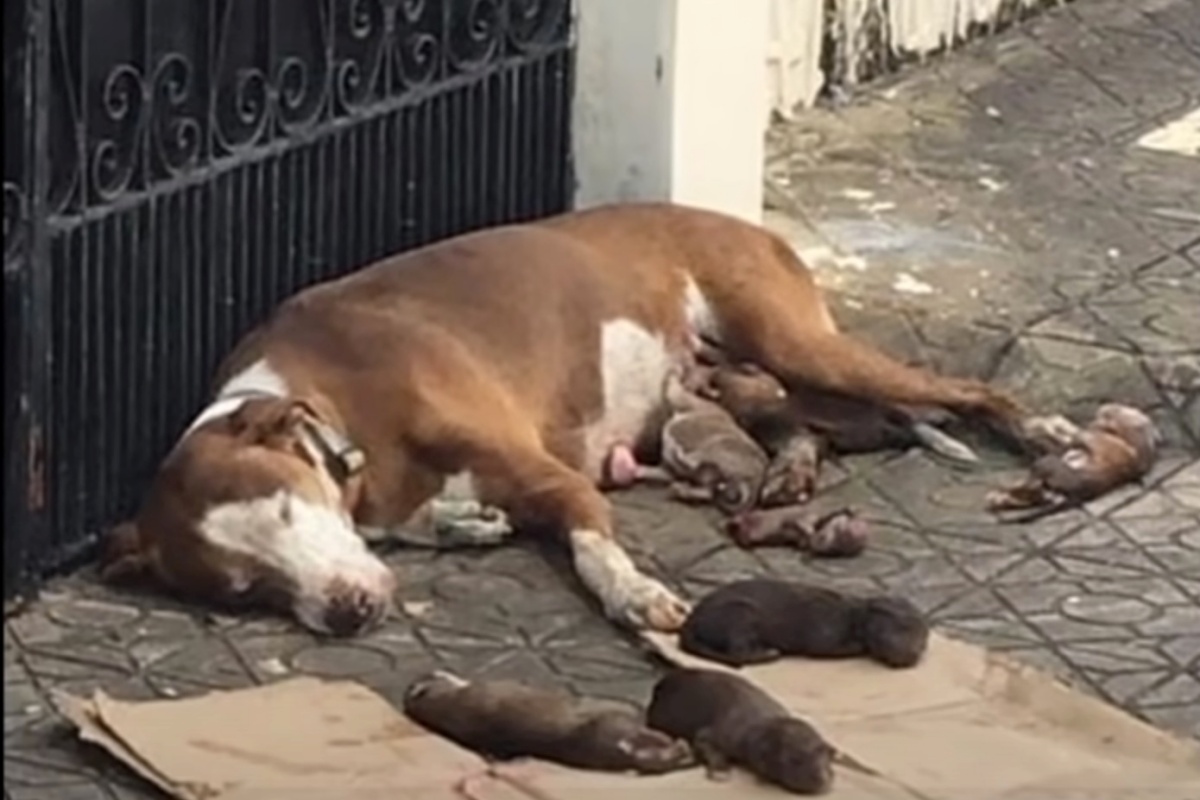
(671, 102)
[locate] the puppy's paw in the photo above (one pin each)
(719, 774)
(787, 482)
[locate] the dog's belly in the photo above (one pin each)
(634, 365)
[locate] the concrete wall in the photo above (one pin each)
(867, 37)
(671, 102)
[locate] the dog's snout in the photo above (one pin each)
(352, 611)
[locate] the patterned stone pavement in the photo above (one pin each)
(995, 215)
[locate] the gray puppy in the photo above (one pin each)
(706, 456)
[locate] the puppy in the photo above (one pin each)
(730, 721)
(758, 620)
(706, 456)
(1120, 445)
(838, 534)
(506, 719)
(841, 424)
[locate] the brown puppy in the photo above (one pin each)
(706, 456)
(758, 620)
(729, 721)
(842, 424)
(1119, 446)
(837, 534)
(506, 719)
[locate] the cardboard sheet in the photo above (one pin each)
(965, 725)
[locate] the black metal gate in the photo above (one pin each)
(172, 168)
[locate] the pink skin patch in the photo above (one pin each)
(621, 468)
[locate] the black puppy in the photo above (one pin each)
(729, 721)
(506, 719)
(758, 620)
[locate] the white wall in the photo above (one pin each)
(671, 102)
(915, 27)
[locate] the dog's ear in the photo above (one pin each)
(123, 559)
(271, 420)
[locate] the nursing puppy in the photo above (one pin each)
(775, 417)
(730, 721)
(506, 719)
(758, 620)
(1119, 446)
(706, 456)
(837, 534)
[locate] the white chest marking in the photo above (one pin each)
(634, 364)
(699, 313)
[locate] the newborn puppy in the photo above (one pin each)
(1119, 446)
(842, 424)
(506, 719)
(758, 620)
(706, 456)
(730, 721)
(838, 534)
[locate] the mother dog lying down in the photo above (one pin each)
(478, 384)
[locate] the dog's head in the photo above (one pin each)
(252, 507)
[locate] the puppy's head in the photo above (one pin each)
(431, 687)
(733, 489)
(745, 390)
(841, 534)
(894, 631)
(790, 752)
(1131, 424)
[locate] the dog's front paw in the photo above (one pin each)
(467, 523)
(643, 603)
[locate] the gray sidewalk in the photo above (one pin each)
(991, 214)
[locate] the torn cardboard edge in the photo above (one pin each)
(88, 718)
(965, 723)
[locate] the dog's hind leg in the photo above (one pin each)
(782, 323)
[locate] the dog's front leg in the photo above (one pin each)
(539, 492)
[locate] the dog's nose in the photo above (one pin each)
(352, 611)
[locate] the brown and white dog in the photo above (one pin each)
(479, 383)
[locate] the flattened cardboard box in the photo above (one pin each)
(964, 725)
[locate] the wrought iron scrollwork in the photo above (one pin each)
(254, 71)
(537, 24)
(113, 158)
(475, 37)
(177, 135)
(416, 47)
